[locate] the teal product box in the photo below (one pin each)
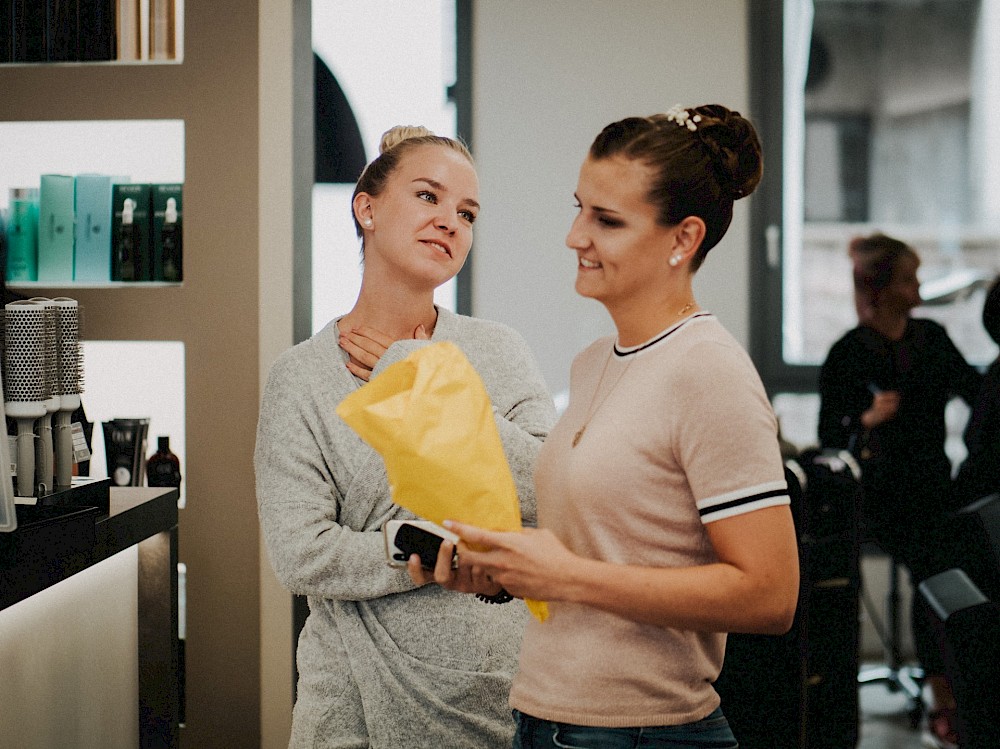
(130, 232)
(92, 258)
(55, 228)
(22, 235)
(168, 222)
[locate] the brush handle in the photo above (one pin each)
(64, 448)
(26, 457)
(44, 465)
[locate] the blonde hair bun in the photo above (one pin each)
(396, 135)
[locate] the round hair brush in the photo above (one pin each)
(24, 381)
(69, 383)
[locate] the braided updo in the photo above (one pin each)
(703, 159)
(395, 144)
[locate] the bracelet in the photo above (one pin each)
(501, 597)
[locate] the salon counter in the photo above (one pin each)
(70, 575)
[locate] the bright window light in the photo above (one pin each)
(394, 62)
(135, 379)
(143, 150)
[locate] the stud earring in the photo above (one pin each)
(674, 260)
(368, 222)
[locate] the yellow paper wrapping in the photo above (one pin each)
(430, 419)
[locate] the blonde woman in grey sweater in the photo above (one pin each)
(383, 663)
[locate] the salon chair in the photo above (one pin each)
(971, 625)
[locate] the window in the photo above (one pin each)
(875, 117)
(396, 64)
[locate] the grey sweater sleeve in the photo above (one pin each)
(312, 549)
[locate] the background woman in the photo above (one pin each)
(663, 508)
(382, 663)
(883, 392)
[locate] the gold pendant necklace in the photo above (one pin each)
(592, 409)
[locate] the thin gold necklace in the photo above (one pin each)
(592, 409)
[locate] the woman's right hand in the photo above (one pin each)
(885, 404)
(366, 346)
(462, 578)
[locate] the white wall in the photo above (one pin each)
(546, 78)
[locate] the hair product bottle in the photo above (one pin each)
(170, 237)
(163, 467)
(128, 242)
(22, 235)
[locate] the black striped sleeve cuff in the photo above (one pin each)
(743, 500)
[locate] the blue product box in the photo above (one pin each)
(92, 262)
(55, 228)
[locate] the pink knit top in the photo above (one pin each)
(682, 435)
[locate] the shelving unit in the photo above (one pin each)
(76, 286)
(235, 91)
(104, 32)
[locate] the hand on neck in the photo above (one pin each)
(398, 323)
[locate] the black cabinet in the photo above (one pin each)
(799, 690)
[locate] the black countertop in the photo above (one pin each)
(53, 542)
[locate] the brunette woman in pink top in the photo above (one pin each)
(663, 517)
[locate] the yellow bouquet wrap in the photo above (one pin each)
(430, 419)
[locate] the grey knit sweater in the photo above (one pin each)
(383, 664)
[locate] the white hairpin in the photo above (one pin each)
(682, 117)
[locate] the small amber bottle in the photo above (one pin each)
(163, 467)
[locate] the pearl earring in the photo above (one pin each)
(674, 260)
(368, 222)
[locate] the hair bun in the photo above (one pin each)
(734, 147)
(396, 135)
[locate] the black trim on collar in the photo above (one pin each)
(664, 334)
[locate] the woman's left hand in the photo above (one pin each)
(366, 346)
(531, 563)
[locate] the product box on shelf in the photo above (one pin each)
(28, 21)
(55, 228)
(130, 232)
(93, 228)
(97, 30)
(22, 235)
(167, 232)
(6, 32)
(62, 30)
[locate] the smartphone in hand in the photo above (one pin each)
(422, 537)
